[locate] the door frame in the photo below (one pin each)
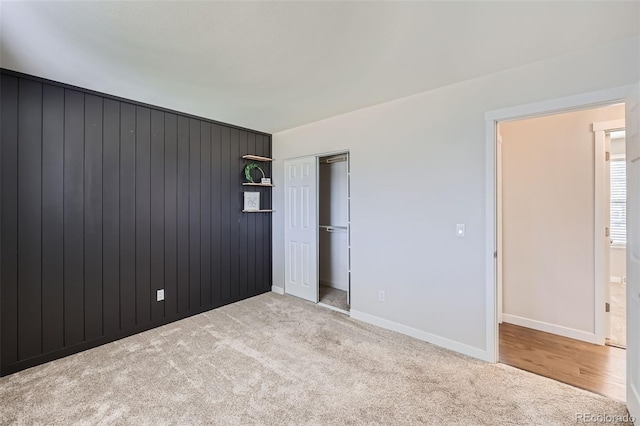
(537, 109)
(602, 220)
(499, 260)
(317, 179)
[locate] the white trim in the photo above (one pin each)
(613, 279)
(552, 106)
(491, 327)
(278, 290)
(600, 222)
(499, 215)
(609, 126)
(571, 333)
(602, 204)
(421, 335)
(633, 396)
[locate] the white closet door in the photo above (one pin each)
(301, 228)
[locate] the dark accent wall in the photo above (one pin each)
(104, 201)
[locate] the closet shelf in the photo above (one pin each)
(257, 211)
(257, 184)
(256, 158)
(333, 227)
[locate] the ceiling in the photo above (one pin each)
(271, 66)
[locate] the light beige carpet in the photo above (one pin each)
(334, 297)
(274, 360)
(618, 333)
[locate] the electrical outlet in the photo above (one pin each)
(381, 295)
(160, 295)
(460, 230)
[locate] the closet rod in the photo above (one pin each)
(333, 228)
(335, 159)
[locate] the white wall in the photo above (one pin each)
(418, 169)
(548, 183)
(333, 193)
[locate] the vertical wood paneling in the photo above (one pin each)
(258, 236)
(251, 231)
(235, 211)
(52, 218)
(157, 212)
(127, 216)
(226, 194)
(194, 214)
(73, 217)
(243, 287)
(205, 214)
(29, 219)
(111, 217)
(93, 217)
(9, 219)
(183, 214)
(216, 215)
(104, 202)
(170, 214)
(143, 215)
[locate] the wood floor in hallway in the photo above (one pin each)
(599, 369)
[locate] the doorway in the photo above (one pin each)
(317, 229)
(553, 229)
(333, 229)
(617, 291)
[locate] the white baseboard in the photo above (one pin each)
(278, 290)
(572, 333)
(422, 335)
(633, 403)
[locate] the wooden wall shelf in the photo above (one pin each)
(257, 184)
(256, 158)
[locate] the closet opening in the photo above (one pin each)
(334, 274)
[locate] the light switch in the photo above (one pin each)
(160, 295)
(460, 230)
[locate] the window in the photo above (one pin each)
(618, 218)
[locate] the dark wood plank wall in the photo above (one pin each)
(103, 202)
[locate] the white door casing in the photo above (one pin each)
(499, 224)
(606, 236)
(632, 121)
(602, 222)
(301, 227)
(349, 227)
(580, 101)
